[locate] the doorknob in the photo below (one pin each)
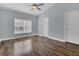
(66, 29)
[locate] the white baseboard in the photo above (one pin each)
(62, 40)
(32, 35)
(39, 35)
(73, 42)
(16, 37)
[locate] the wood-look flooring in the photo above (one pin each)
(37, 46)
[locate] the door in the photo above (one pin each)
(43, 26)
(72, 27)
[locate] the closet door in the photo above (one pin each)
(73, 27)
(43, 26)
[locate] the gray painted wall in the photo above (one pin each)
(56, 18)
(55, 15)
(7, 23)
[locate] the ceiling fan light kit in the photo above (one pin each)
(36, 7)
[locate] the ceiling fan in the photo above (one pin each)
(36, 6)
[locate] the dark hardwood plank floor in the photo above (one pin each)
(37, 46)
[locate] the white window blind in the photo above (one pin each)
(22, 26)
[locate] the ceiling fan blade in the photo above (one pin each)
(39, 8)
(35, 4)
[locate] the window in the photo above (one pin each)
(22, 26)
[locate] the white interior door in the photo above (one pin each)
(43, 26)
(72, 27)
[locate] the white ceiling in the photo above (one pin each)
(26, 9)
